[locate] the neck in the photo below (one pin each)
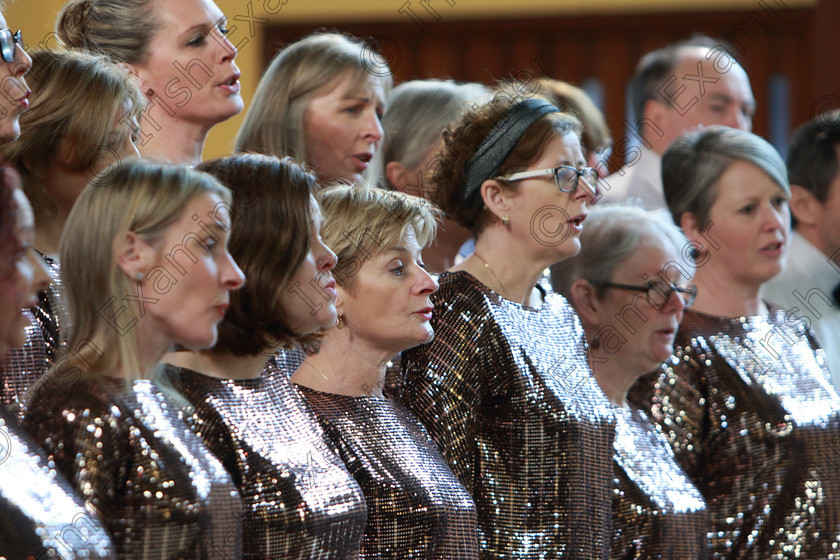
(48, 234)
(811, 234)
(150, 348)
(220, 366)
(615, 373)
(344, 366)
(504, 267)
(441, 255)
(717, 296)
(176, 141)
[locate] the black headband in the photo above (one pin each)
(495, 149)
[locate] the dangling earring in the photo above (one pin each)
(339, 324)
(595, 343)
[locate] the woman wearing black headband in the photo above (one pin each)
(505, 388)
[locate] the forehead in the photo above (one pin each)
(22, 209)
(742, 180)
(353, 83)
(183, 14)
(734, 82)
(563, 148)
(649, 257)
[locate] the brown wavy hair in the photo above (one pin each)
(269, 240)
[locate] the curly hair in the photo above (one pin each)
(447, 174)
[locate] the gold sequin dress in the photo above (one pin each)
(747, 405)
(506, 392)
(417, 509)
(134, 461)
(39, 515)
(658, 513)
(300, 502)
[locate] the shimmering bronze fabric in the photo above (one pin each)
(300, 501)
(23, 366)
(749, 410)
(135, 462)
(416, 507)
(39, 515)
(506, 392)
(657, 511)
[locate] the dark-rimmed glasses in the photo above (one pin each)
(566, 177)
(658, 293)
(8, 40)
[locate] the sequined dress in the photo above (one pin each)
(39, 515)
(137, 465)
(417, 509)
(748, 408)
(300, 501)
(658, 513)
(506, 392)
(23, 366)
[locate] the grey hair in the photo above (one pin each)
(301, 71)
(611, 234)
(694, 163)
(418, 111)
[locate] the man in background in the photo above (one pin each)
(809, 285)
(675, 89)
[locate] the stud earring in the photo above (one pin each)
(139, 276)
(505, 220)
(150, 92)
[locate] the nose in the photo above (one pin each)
(228, 50)
(23, 62)
(326, 259)
(372, 128)
(40, 276)
(777, 218)
(674, 304)
(232, 276)
(426, 283)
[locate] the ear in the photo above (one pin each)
(133, 254)
(586, 303)
(691, 227)
(496, 198)
(398, 176)
(804, 206)
(655, 111)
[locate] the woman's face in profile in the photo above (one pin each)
(309, 301)
(22, 274)
(342, 129)
(14, 100)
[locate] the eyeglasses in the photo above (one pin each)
(658, 293)
(566, 177)
(8, 42)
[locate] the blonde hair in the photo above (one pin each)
(273, 124)
(361, 221)
(76, 97)
(137, 196)
(122, 29)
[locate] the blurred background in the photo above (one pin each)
(789, 48)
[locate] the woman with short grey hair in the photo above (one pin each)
(417, 113)
(746, 402)
(629, 287)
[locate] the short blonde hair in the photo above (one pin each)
(361, 221)
(76, 97)
(137, 196)
(273, 124)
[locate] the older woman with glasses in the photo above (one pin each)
(627, 285)
(505, 388)
(746, 404)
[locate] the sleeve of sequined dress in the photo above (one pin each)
(675, 398)
(85, 435)
(443, 380)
